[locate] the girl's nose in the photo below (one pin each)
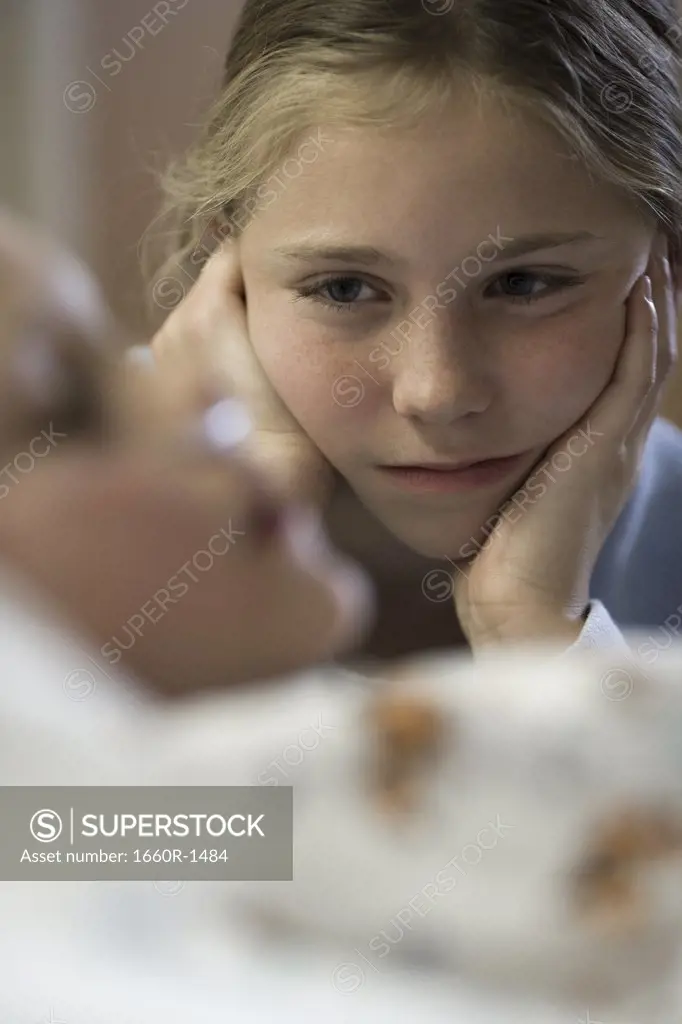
(438, 375)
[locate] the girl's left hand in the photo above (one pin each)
(530, 580)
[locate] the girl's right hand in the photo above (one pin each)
(203, 347)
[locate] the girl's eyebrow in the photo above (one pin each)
(368, 255)
(512, 247)
(343, 253)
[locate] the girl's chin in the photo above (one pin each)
(444, 545)
(439, 549)
(455, 534)
(453, 537)
(407, 533)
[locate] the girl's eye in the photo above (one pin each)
(346, 293)
(341, 293)
(527, 286)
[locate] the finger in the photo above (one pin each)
(212, 348)
(649, 380)
(144, 412)
(664, 301)
(616, 410)
(209, 326)
(227, 350)
(217, 298)
(197, 310)
(666, 343)
(187, 347)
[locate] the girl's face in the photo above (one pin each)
(447, 293)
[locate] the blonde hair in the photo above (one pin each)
(603, 73)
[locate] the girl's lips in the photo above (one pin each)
(445, 480)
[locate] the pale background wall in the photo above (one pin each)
(79, 142)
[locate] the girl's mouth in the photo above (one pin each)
(451, 477)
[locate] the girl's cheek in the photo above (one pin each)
(548, 373)
(561, 368)
(313, 372)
